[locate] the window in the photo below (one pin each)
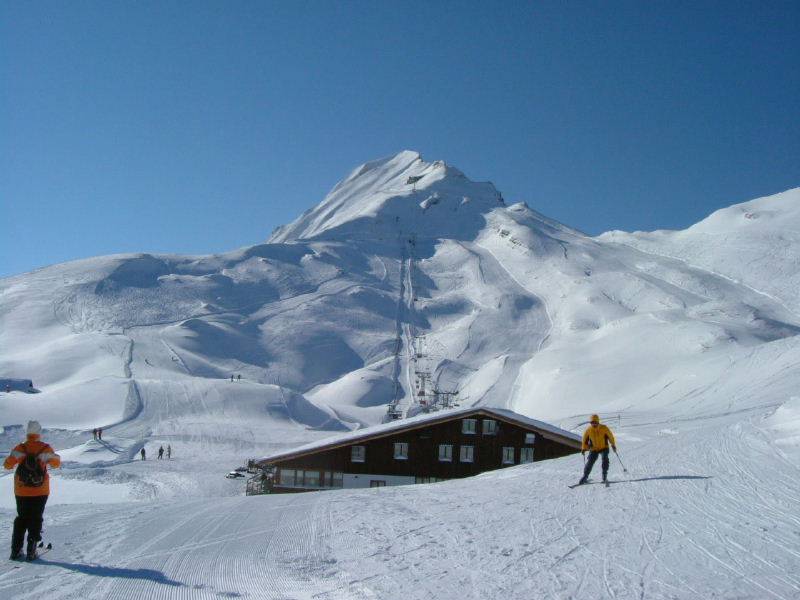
(445, 453)
(489, 427)
(358, 453)
(311, 479)
(287, 477)
(308, 479)
(428, 479)
(526, 455)
(401, 450)
(530, 438)
(376, 483)
(508, 455)
(469, 426)
(467, 454)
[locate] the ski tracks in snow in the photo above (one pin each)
(702, 515)
(254, 547)
(483, 253)
(699, 517)
(727, 278)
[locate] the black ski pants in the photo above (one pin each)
(29, 518)
(593, 454)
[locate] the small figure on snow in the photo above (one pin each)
(99, 433)
(31, 488)
(169, 451)
(160, 452)
(231, 378)
(596, 440)
(239, 377)
(94, 433)
(142, 453)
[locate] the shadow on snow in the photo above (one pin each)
(120, 572)
(110, 447)
(662, 477)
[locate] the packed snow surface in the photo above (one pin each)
(685, 343)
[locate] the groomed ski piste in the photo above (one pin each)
(690, 356)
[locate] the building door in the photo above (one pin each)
(376, 483)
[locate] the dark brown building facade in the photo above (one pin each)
(426, 449)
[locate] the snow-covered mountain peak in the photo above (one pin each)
(390, 165)
(401, 193)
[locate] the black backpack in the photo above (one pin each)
(30, 471)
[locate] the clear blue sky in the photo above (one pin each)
(197, 127)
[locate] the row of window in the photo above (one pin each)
(310, 479)
(329, 479)
(470, 426)
(428, 479)
(467, 454)
(358, 454)
(381, 483)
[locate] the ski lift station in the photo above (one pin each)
(423, 449)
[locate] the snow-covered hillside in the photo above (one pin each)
(753, 243)
(686, 340)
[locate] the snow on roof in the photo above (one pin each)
(419, 420)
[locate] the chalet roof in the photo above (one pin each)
(420, 421)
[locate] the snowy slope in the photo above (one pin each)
(686, 341)
(708, 509)
(753, 243)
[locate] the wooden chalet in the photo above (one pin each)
(422, 449)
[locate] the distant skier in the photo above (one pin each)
(94, 433)
(596, 440)
(31, 488)
(160, 452)
(169, 451)
(239, 377)
(231, 378)
(142, 453)
(99, 433)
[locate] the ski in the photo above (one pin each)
(574, 485)
(23, 559)
(590, 482)
(43, 552)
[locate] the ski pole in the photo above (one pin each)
(624, 470)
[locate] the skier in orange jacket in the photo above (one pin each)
(596, 440)
(31, 488)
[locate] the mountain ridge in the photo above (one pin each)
(516, 310)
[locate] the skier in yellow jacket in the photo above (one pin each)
(31, 488)
(596, 440)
